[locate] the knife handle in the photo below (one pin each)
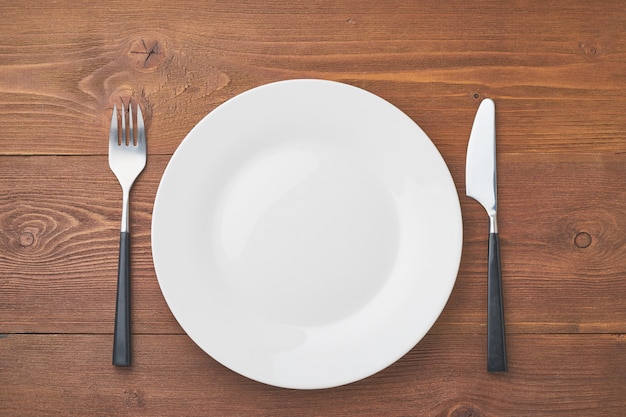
(121, 335)
(496, 347)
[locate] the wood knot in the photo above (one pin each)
(582, 240)
(146, 64)
(27, 234)
(26, 239)
(133, 398)
(147, 53)
(589, 49)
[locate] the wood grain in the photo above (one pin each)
(58, 231)
(556, 72)
(66, 375)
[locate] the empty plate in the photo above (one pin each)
(306, 234)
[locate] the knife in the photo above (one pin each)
(481, 185)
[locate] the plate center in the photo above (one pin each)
(306, 234)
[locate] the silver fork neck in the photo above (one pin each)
(125, 227)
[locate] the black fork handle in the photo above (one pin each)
(121, 336)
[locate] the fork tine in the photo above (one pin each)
(113, 134)
(124, 142)
(141, 133)
(131, 133)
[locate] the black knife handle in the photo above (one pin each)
(496, 346)
(121, 336)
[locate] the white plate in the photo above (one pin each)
(306, 234)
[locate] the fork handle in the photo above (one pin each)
(496, 347)
(121, 336)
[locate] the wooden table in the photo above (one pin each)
(557, 71)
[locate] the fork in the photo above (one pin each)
(127, 159)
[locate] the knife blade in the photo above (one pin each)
(481, 185)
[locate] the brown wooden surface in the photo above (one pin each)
(557, 71)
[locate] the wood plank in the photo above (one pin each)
(60, 220)
(71, 375)
(565, 231)
(60, 217)
(558, 89)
